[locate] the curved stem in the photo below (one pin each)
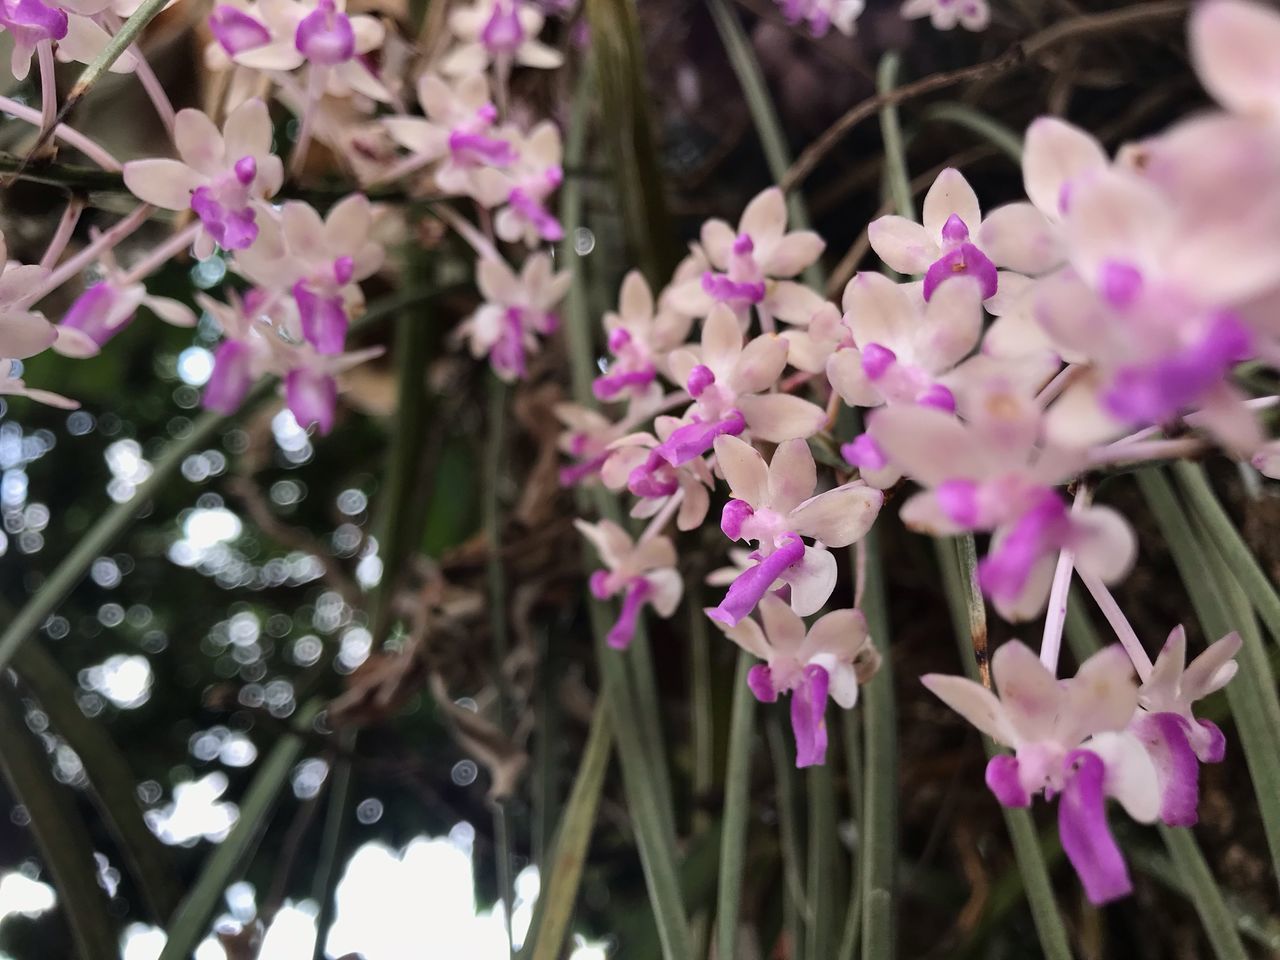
(48, 86)
(306, 123)
(1056, 617)
(162, 254)
(62, 235)
(92, 251)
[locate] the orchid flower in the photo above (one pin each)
(945, 14)
(1069, 742)
(773, 505)
(320, 262)
(728, 380)
(819, 16)
(501, 32)
(1232, 46)
(991, 472)
(458, 134)
(282, 35)
(950, 240)
(633, 462)
(1176, 741)
(525, 187)
(221, 175)
(639, 339)
(752, 266)
(903, 344)
(28, 23)
(832, 658)
(515, 311)
(644, 573)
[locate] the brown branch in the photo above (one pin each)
(1015, 56)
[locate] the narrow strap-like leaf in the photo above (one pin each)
(737, 809)
(60, 833)
(550, 924)
(112, 783)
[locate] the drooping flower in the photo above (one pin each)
(634, 463)
(516, 310)
(525, 188)
(644, 573)
(220, 176)
(831, 658)
(639, 339)
(1070, 741)
(1175, 739)
(107, 307)
(819, 16)
(773, 505)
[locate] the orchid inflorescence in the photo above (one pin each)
(1125, 293)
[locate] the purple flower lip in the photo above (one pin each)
(1002, 780)
(808, 716)
(725, 290)
(610, 385)
(638, 592)
(695, 439)
(574, 474)
(760, 680)
(750, 586)
(231, 229)
(312, 398)
(734, 515)
(1003, 572)
(644, 482)
(324, 319)
(32, 21)
(1086, 838)
(938, 397)
(230, 380)
(476, 147)
(543, 221)
(959, 501)
(91, 313)
(966, 260)
(955, 230)
(325, 36)
(236, 31)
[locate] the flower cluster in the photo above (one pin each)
(1101, 321)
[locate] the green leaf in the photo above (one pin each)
(737, 809)
(60, 834)
(564, 872)
(1239, 558)
(987, 127)
(113, 784)
(191, 922)
(619, 56)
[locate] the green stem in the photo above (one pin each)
(60, 833)
(853, 760)
(795, 903)
(824, 868)
(1221, 608)
(564, 872)
(1240, 560)
(895, 161)
(737, 809)
(1008, 140)
(333, 840)
(880, 748)
(112, 782)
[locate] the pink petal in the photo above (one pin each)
(783, 628)
(1213, 669)
(1233, 48)
(1017, 236)
(759, 365)
(880, 311)
(780, 416)
(950, 195)
(793, 253)
(1055, 154)
(972, 701)
(1029, 693)
(792, 302)
(164, 183)
(765, 217)
(812, 580)
(845, 373)
(902, 244)
(840, 516)
(717, 240)
(744, 469)
(792, 476)
(1102, 696)
(1086, 838)
(199, 143)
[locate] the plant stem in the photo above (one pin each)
(895, 162)
(824, 878)
(737, 810)
(984, 125)
(796, 906)
(61, 131)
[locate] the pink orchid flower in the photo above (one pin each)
(832, 658)
(752, 267)
(728, 380)
(320, 262)
(644, 573)
(1232, 45)
(221, 175)
(500, 32)
(949, 240)
(1069, 742)
(28, 23)
(282, 35)
(819, 16)
(1176, 741)
(945, 14)
(991, 472)
(515, 311)
(639, 339)
(773, 505)
(903, 345)
(526, 187)
(458, 134)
